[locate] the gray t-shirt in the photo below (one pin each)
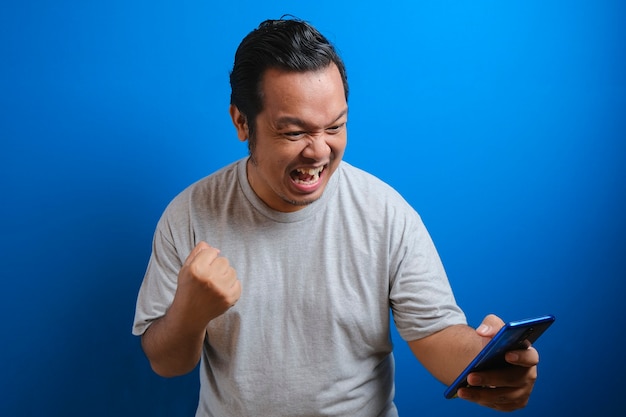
(310, 333)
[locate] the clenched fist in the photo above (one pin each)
(207, 287)
(207, 284)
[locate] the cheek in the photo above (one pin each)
(283, 156)
(273, 162)
(338, 145)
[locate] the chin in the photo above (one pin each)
(300, 202)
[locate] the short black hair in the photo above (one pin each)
(288, 44)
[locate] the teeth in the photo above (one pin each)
(311, 171)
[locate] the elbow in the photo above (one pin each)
(169, 364)
(167, 372)
(171, 370)
(169, 357)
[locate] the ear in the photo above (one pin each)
(240, 121)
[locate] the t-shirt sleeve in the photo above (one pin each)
(421, 298)
(159, 284)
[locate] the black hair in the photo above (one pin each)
(286, 44)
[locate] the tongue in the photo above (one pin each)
(301, 176)
(304, 177)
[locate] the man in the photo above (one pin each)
(278, 272)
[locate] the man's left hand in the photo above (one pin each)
(505, 389)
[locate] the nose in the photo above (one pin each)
(317, 147)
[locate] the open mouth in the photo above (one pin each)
(307, 176)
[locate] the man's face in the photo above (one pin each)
(300, 136)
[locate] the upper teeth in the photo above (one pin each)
(310, 171)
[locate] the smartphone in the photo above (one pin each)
(514, 335)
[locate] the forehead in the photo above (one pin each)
(314, 96)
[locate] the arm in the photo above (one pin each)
(207, 288)
(446, 353)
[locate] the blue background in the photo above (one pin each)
(502, 122)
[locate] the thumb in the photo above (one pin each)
(490, 326)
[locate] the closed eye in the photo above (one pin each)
(294, 135)
(336, 128)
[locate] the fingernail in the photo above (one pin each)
(483, 328)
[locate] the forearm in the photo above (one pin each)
(446, 353)
(207, 288)
(171, 348)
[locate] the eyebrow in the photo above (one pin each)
(289, 120)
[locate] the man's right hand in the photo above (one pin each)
(207, 285)
(207, 288)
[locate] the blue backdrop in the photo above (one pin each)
(502, 122)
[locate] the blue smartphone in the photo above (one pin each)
(514, 335)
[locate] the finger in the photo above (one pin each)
(195, 251)
(490, 326)
(235, 291)
(502, 399)
(527, 357)
(509, 377)
(222, 273)
(204, 261)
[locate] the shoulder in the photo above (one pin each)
(371, 203)
(203, 194)
(365, 186)
(217, 182)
